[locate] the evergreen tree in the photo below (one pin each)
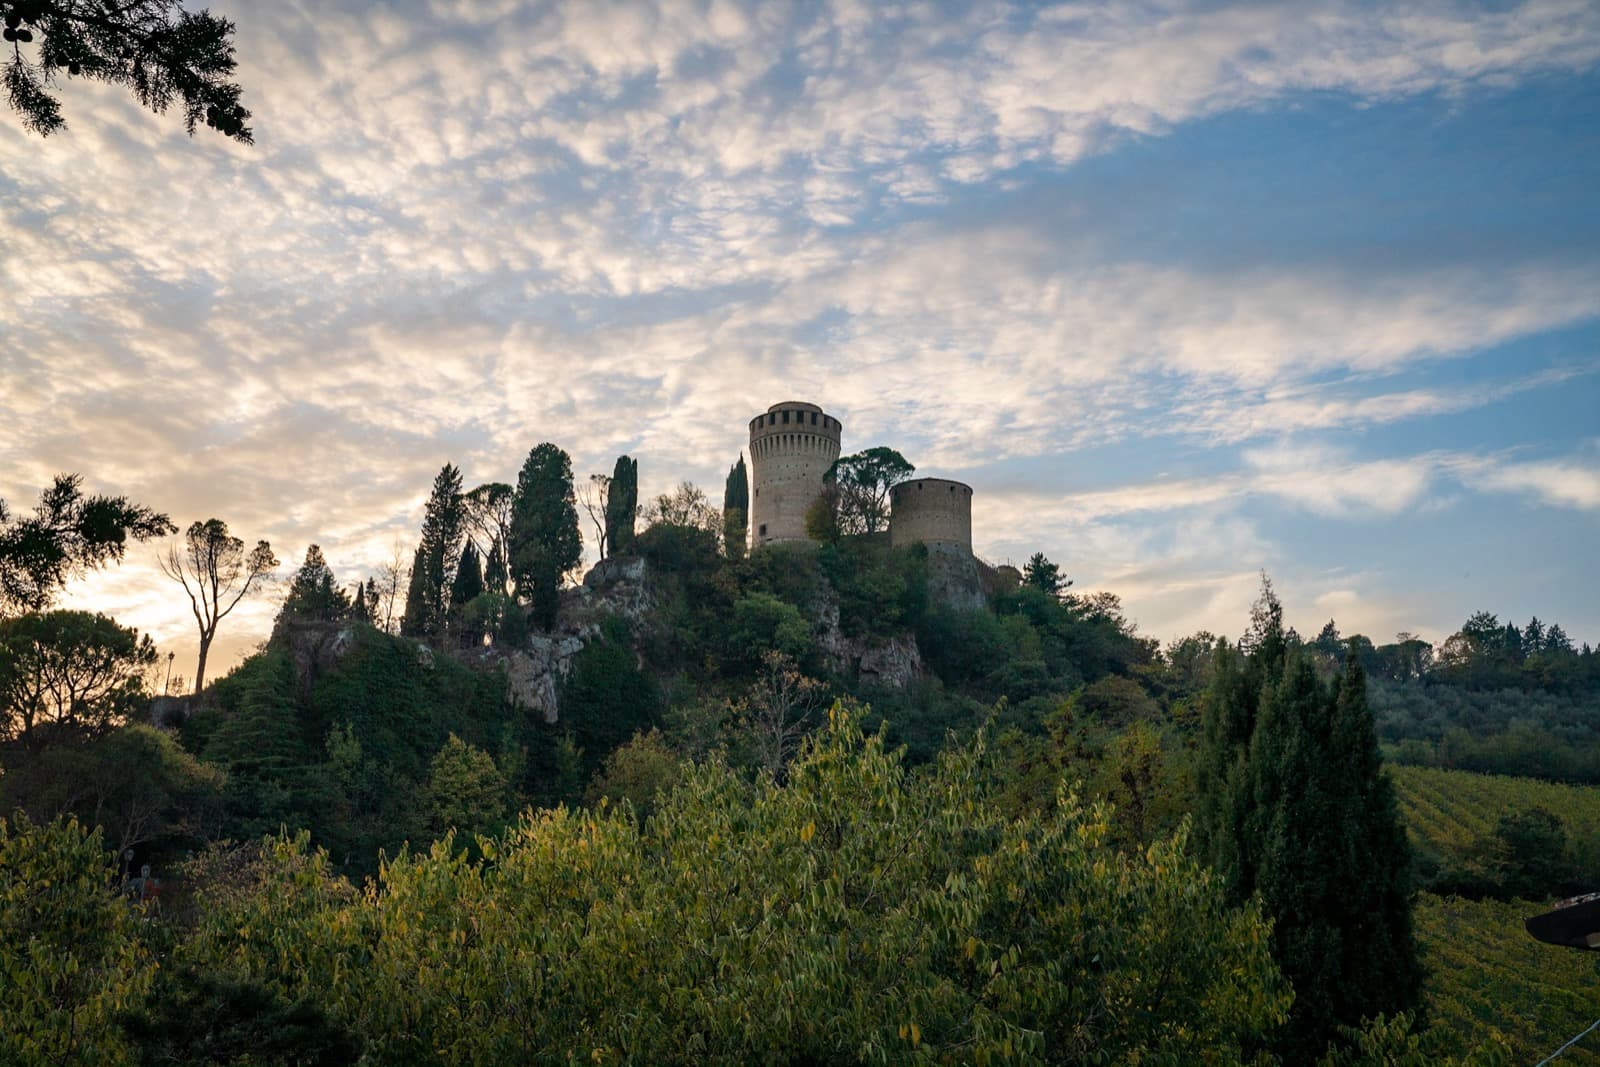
(313, 595)
(358, 604)
(444, 527)
(622, 506)
(469, 579)
(1294, 806)
(414, 621)
(1041, 574)
(736, 509)
(495, 577)
(545, 543)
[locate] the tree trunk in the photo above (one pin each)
(200, 668)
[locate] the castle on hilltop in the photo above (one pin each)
(792, 445)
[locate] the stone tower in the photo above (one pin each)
(932, 511)
(791, 448)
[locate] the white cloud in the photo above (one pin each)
(474, 225)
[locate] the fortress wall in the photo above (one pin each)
(932, 511)
(792, 446)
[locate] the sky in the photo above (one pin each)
(1185, 291)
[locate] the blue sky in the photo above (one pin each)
(1185, 291)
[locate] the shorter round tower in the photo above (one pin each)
(931, 511)
(791, 448)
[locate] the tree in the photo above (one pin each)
(622, 505)
(594, 495)
(414, 619)
(1295, 808)
(465, 789)
(468, 584)
(545, 543)
(66, 535)
(495, 578)
(685, 506)
(216, 573)
(444, 528)
(69, 672)
(136, 783)
(864, 481)
(392, 574)
(778, 711)
(313, 595)
(1041, 574)
(489, 519)
(736, 510)
(152, 47)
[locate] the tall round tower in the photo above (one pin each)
(791, 448)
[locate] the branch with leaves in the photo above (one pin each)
(161, 52)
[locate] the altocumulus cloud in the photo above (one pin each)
(471, 226)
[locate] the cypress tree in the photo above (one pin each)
(469, 579)
(359, 612)
(444, 527)
(1294, 806)
(545, 542)
(494, 571)
(414, 621)
(622, 506)
(736, 509)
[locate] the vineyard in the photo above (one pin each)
(1486, 974)
(1449, 811)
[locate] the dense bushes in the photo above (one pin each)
(860, 913)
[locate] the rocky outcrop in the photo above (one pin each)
(534, 673)
(893, 663)
(953, 579)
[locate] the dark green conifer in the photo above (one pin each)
(622, 506)
(494, 571)
(736, 509)
(1294, 806)
(444, 527)
(545, 542)
(469, 579)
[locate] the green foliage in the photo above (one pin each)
(606, 697)
(881, 591)
(216, 573)
(860, 913)
(1487, 835)
(66, 535)
(465, 789)
(1295, 807)
(736, 510)
(159, 51)
(1039, 573)
(469, 583)
(193, 1016)
(70, 957)
(263, 752)
(1489, 982)
(433, 572)
(637, 772)
(68, 675)
(863, 482)
(313, 595)
(762, 623)
(135, 783)
(544, 539)
(622, 506)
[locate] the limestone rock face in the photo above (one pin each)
(535, 672)
(894, 663)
